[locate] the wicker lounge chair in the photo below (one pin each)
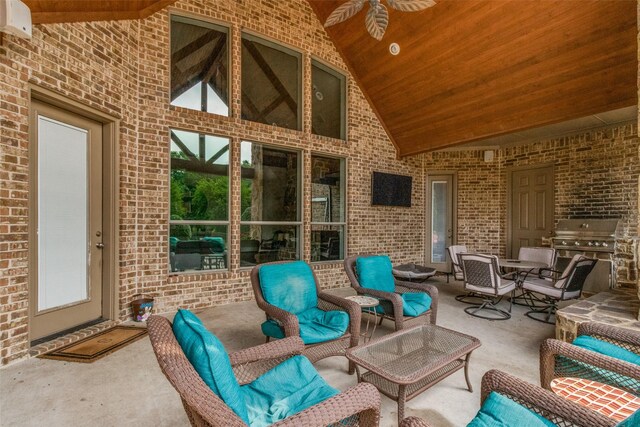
(554, 408)
(359, 405)
(392, 302)
(561, 359)
(282, 320)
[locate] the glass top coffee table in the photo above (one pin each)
(406, 363)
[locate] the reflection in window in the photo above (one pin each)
(327, 208)
(199, 201)
(328, 110)
(271, 76)
(199, 64)
(270, 213)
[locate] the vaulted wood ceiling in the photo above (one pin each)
(473, 69)
(51, 11)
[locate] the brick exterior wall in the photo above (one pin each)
(122, 69)
(596, 176)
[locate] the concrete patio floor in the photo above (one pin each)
(127, 387)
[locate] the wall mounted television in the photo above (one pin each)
(390, 190)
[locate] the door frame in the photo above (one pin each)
(110, 197)
(510, 171)
(427, 211)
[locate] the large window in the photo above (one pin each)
(270, 204)
(199, 223)
(328, 102)
(327, 208)
(271, 83)
(199, 65)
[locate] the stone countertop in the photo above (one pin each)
(617, 307)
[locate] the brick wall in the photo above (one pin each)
(122, 69)
(596, 176)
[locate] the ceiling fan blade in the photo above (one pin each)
(344, 12)
(410, 5)
(377, 21)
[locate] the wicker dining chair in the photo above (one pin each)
(562, 359)
(482, 276)
(391, 303)
(286, 323)
(357, 406)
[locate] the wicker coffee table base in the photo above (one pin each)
(403, 393)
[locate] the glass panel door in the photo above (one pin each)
(62, 214)
(440, 220)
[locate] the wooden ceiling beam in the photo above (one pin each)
(57, 11)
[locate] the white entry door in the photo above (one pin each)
(66, 230)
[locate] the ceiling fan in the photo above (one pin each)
(377, 17)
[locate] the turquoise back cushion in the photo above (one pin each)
(608, 349)
(498, 410)
(375, 272)
(209, 358)
(290, 286)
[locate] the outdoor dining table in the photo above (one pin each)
(521, 265)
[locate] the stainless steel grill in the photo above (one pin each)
(595, 238)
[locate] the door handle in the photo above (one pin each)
(100, 245)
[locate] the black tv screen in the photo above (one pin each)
(390, 190)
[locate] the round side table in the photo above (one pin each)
(368, 305)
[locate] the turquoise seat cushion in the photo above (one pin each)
(315, 326)
(632, 421)
(290, 286)
(209, 358)
(500, 411)
(608, 349)
(413, 304)
(289, 388)
(375, 272)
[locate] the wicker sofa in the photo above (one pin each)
(359, 405)
(392, 302)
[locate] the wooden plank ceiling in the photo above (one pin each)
(473, 69)
(52, 11)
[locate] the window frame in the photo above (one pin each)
(299, 222)
(343, 78)
(227, 222)
(205, 22)
(285, 48)
(344, 223)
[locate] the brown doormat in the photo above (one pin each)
(97, 346)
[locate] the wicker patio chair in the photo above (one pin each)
(289, 325)
(482, 276)
(392, 302)
(561, 359)
(542, 293)
(359, 405)
(554, 408)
